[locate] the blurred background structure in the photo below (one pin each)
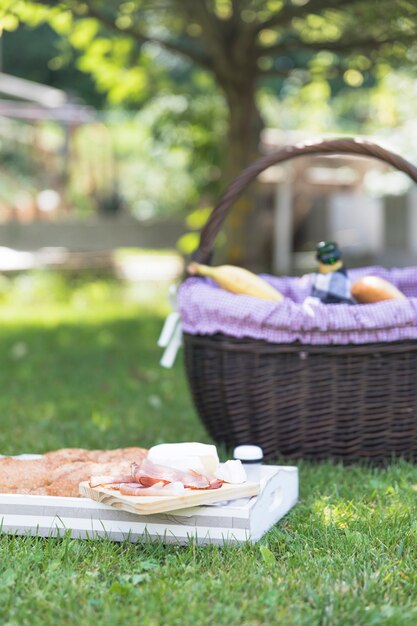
(120, 126)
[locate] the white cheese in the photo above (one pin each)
(200, 457)
(232, 472)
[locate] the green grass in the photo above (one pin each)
(89, 376)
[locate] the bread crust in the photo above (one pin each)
(58, 473)
(371, 289)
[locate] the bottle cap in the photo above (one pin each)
(248, 454)
(328, 253)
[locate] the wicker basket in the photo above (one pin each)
(345, 402)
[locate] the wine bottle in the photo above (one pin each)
(331, 284)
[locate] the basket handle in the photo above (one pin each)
(332, 146)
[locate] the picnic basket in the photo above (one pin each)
(345, 402)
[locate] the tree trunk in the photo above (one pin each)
(245, 235)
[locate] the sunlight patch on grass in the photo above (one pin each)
(340, 514)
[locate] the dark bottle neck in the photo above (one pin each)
(324, 268)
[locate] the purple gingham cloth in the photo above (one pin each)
(206, 310)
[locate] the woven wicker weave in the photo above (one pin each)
(349, 402)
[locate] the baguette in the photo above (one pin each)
(237, 280)
(371, 289)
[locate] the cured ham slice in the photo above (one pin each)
(214, 482)
(151, 479)
(135, 489)
(148, 473)
(158, 489)
(108, 481)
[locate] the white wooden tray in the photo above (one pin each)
(235, 521)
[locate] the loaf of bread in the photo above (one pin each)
(371, 289)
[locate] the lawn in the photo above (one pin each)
(84, 372)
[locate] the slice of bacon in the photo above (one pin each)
(135, 489)
(148, 481)
(96, 481)
(148, 473)
(158, 489)
(215, 483)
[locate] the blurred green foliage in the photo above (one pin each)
(169, 153)
(319, 69)
(160, 160)
(52, 61)
(136, 49)
(44, 289)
